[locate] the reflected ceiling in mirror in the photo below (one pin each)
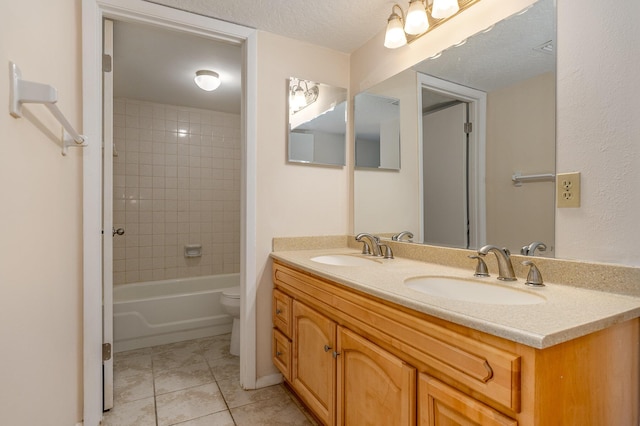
(513, 50)
(317, 123)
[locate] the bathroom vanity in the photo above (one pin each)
(359, 348)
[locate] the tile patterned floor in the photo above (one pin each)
(194, 383)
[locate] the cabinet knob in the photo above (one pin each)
(327, 348)
(335, 354)
(278, 311)
(278, 353)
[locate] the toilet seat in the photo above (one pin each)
(232, 292)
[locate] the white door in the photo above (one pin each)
(446, 220)
(107, 216)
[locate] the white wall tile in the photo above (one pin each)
(176, 182)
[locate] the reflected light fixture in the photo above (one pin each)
(301, 97)
(207, 80)
(417, 20)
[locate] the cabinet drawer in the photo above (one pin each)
(281, 353)
(439, 404)
(281, 312)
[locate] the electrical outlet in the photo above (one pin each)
(568, 189)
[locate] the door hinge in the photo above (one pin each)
(468, 128)
(106, 63)
(106, 351)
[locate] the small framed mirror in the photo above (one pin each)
(377, 131)
(317, 123)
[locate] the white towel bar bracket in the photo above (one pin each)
(23, 92)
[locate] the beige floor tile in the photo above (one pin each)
(216, 347)
(183, 377)
(189, 404)
(132, 353)
(136, 413)
(132, 366)
(186, 394)
(235, 396)
(223, 418)
(276, 412)
(226, 368)
(187, 345)
(180, 357)
(132, 387)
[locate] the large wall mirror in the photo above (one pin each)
(317, 123)
(502, 81)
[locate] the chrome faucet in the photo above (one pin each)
(399, 236)
(530, 250)
(505, 268)
(373, 244)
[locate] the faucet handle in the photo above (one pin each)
(481, 267)
(388, 253)
(534, 278)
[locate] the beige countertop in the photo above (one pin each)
(568, 312)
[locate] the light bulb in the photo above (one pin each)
(444, 8)
(417, 21)
(395, 36)
(299, 100)
(207, 80)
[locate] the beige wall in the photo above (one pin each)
(40, 212)
(598, 128)
(176, 181)
(521, 137)
(292, 199)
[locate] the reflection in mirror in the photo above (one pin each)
(317, 123)
(514, 65)
(377, 131)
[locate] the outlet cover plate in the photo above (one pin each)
(568, 190)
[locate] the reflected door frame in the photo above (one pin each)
(477, 101)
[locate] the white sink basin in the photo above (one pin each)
(343, 260)
(473, 291)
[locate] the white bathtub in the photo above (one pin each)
(160, 312)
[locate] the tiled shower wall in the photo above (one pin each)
(176, 181)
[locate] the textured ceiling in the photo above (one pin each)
(337, 24)
(148, 59)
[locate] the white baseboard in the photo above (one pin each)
(270, 380)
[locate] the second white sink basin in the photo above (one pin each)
(343, 260)
(473, 291)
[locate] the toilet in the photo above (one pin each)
(230, 301)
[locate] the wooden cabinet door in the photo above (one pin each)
(441, 405)
(313, 374)
(374, 386)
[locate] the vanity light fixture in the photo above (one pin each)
(417, 19)
(422, 16)
(207, 80)
(443, 9)
(395, 36)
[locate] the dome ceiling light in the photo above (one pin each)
(207, 80)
